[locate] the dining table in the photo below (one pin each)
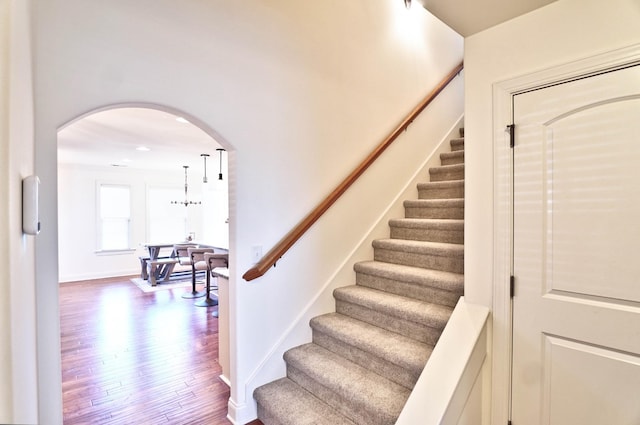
(160, 266)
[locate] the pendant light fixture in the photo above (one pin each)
(186, 201)
(220, 150)
(205, 156)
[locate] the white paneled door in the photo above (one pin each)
(576, 308)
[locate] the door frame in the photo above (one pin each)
(503, 93)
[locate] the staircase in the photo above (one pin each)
(367, 356)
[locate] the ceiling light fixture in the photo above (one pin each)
(143, 149)
(407, 4)
(205, 156)
(220, 150)
(186, 201)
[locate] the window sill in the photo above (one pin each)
(115, 251)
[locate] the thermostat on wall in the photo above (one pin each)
(30, 218)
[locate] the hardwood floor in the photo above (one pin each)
(130, 357)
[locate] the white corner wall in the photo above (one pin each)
(17, 291)
(6, 407)
(297, 92)
(559, 33)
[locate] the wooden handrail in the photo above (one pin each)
(271, 257)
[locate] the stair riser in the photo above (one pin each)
(441, 174)
(283, 402)
(266, 417)
(457, 145)
(418, 331)
(406, 289)
(341, 404)
(430, 235)
(382, 367)
(433, 212)
(452, 158)
(454, 264)
(441, 193)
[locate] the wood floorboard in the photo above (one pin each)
(130, 357)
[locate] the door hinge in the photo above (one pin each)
(511, 128)
(512, 286)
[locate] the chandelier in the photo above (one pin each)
(186, 201)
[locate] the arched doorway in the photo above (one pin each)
(142, 150)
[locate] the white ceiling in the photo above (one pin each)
(468, 17)
(110, 138)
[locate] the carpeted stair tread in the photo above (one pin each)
(358, 393)
(445, 184)
(457, 144)
(447, 172)
(447, 281)
(434, 208)
(430, 223)
(433, 255)
(421, 312)
(447, 168)
(362, 341)
(428, 285)
(434, 230)
(448, 189)
(450, 158)
(284, 402)
(434, 203)
(420, 246)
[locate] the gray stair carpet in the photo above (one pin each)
(365, 358)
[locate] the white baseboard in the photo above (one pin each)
(225, 380)
(243, 413)
(98, 275)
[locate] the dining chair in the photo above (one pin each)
(181, 252)
(199, 264)
(213, 261)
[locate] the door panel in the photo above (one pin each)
(588, 384)
(592, 201)
(576, 251)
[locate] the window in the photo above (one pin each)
(167, 223)
(114, 217)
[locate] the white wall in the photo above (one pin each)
(298, 93)
(18, 341)
(77, 218)
(5, 317)
(564, 31)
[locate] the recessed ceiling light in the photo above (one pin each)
(143, 149)
(126, 160)
(182, 120)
